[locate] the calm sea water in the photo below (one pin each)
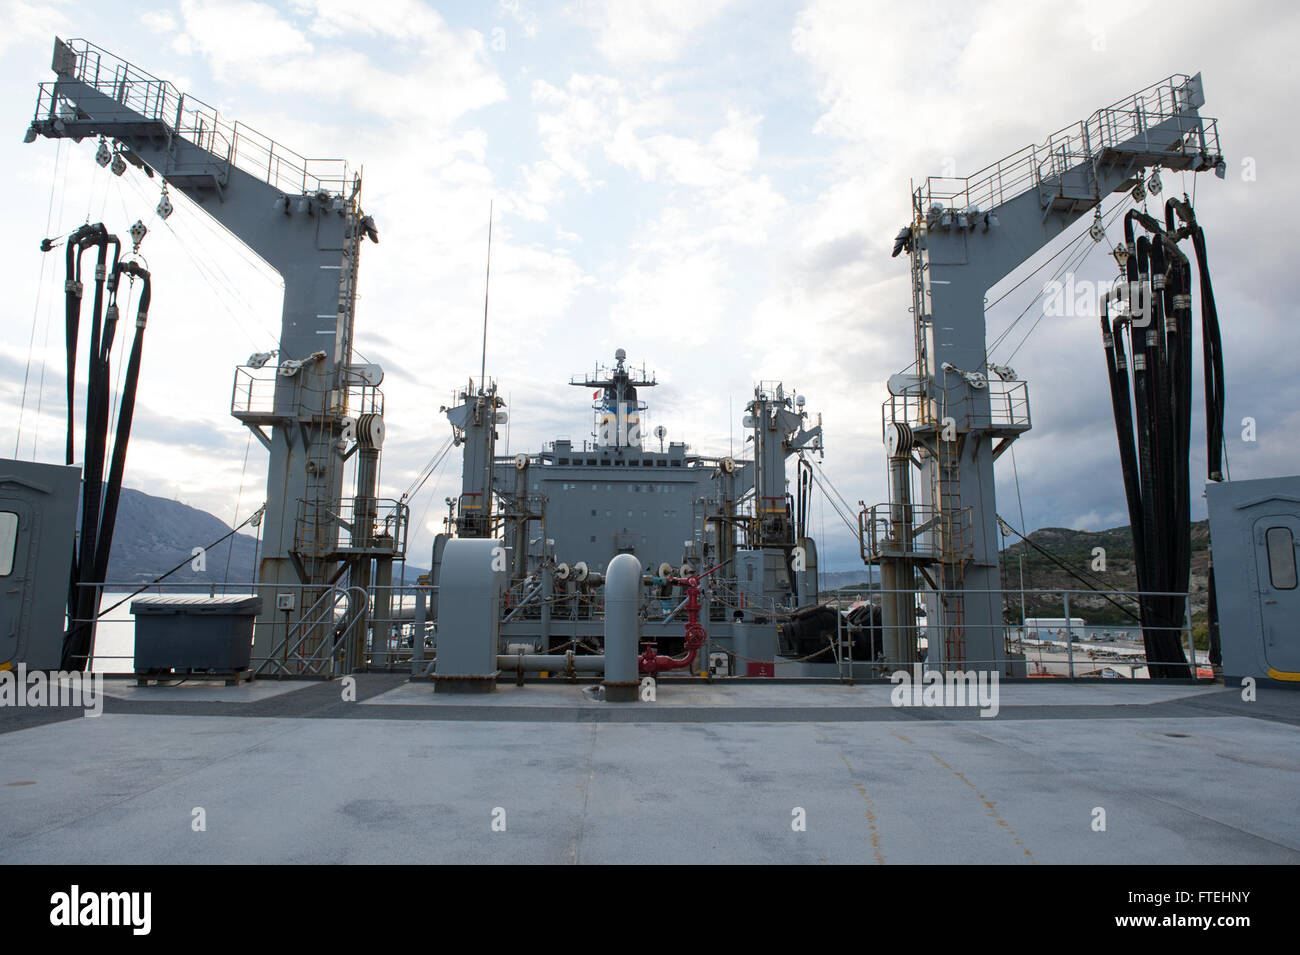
(114, 637)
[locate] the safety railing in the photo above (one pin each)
(253, 395)
(930, 534)
(377, 527)
(340, 631)
(1077, 143)
(316, 641)
(1007, 408)
(1057, 641)
(364, 399)
(1001, 406)
(159, 101)
(253, 392)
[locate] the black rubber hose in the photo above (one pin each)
(77, 643)
(126, 411)
(1162, 380)
(1142, 417)
(1122, 402)
(1215, 400)
(1183, 318)
(98, 398)
(78, 241)
(1164, 373)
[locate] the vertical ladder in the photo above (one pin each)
(348, 296)
(952, 548)
(920, 314)
(317, 526)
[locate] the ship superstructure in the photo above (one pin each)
(565, 512)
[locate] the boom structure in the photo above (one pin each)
(303, 218)
(950, 417)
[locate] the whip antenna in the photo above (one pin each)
(487, 281)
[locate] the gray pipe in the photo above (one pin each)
(417, 640)
(552, 662)
(537, 588)
(622, 628)
(548, 592)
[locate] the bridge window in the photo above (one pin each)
(1281, 557)
(8, 541)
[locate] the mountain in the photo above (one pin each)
(154, 534)
(1076, 550)
(835, 579)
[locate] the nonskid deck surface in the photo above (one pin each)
(289, 772)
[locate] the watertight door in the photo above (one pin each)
(17, 554)
(1276, 542)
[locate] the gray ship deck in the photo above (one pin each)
(287, 772)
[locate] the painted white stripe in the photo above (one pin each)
(331, 266)
(325, 331)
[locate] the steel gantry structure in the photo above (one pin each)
(311, 406)
(953, 413)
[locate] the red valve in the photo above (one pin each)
(651, 662)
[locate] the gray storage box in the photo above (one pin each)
(194, 632)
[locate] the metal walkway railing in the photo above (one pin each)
(233, 143)
(1080, 142)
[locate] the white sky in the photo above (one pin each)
(712, 185)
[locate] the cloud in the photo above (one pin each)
(652, 31)
(26, 23)
(159, 21)
(436, 74)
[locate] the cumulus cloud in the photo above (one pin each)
(653, 31)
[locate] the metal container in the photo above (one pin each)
(194, 632)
